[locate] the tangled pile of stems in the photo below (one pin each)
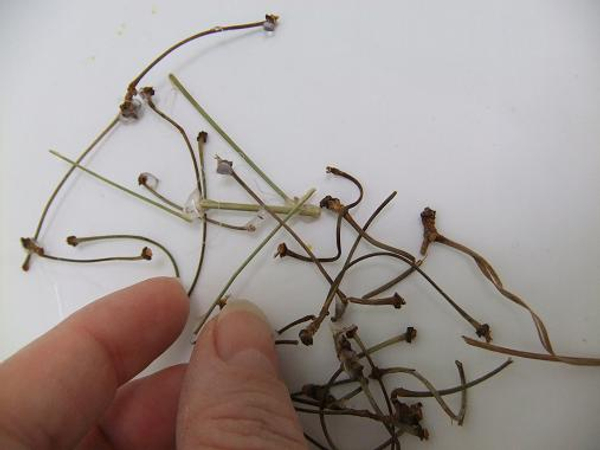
(350, 380)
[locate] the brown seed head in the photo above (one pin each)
(147, 253)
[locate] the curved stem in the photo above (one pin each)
(76, 240)
(401, 392)
(306, 248)
(131, 89)
(63, 180)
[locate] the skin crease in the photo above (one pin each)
(72, 388)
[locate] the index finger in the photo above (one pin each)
(57, 387)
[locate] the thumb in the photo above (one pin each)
(232, 396)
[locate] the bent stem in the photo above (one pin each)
(76, 240)
(131, 88)
(227, 138)
(122, 188)
(242, 266)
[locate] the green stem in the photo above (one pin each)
(239, 270)
(122, 188)
(306, 210)
(227, 138)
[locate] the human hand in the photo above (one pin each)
(71, 387)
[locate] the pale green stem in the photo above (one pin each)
(227, 138)
(239, 270)
(122, 188)
(306, 210)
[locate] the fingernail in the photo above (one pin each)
(241, 305)
(244, 338)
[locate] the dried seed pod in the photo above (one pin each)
(130, 110)
(149, 180)
(270, 22)
(224, 167)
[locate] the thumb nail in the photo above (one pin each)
(244, 338)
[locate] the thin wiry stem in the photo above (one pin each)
(402, 392)
(295, 322)
(239, 270)
(481, 329)
(322, 420)
(286, 342)
(284, 251)
(76, 240)
(200, 184)
(431, 235)
(306, 248)
(94, 260)
(463, 392)
(161, 197)
(131, 89)
(314, 442)
(384, 392)
(145, 255)
(429, 386)
(183, 134)
(227, 138)
(576, 361)
(202, 190)
(341, 306)
(122, 188)
(81, 157)
(394, 281)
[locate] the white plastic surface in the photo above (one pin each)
(487, 112)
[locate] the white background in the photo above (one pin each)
(487, 112)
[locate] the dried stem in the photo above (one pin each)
(81, 157)
(131, 88)
(314, 442)
(286, 342)
(395, 300)
(147, 94)
(482, 330)
(384, 392)
(33, 248)
(402, 392)
(341, 306)
(76, 240)
(388, 285)
(295, 322)
(432, 235)
(202, 190)
(227, 138)
(239, 270)
(143, 181)
(122, 188)
(430, 387)
(576, 361)
(283, 250)
(305, 340)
